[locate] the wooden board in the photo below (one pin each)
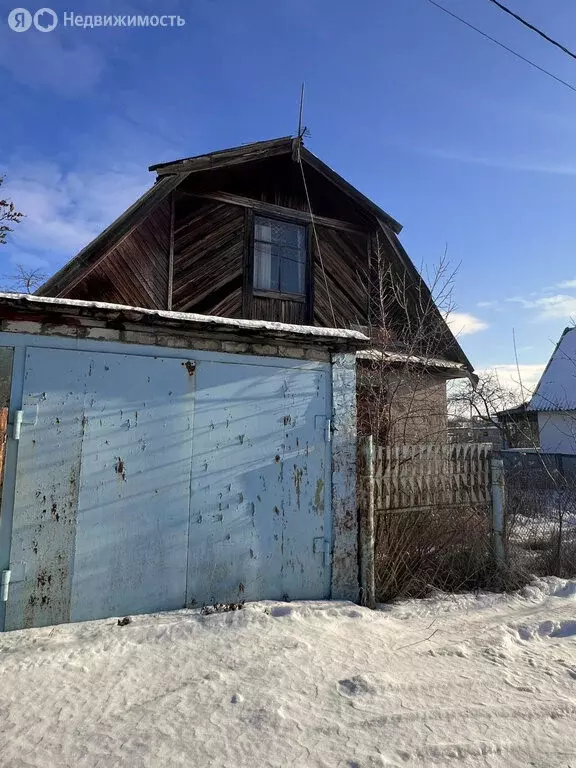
(136, 271)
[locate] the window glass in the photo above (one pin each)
(279, 256)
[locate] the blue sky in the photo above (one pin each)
(461, 142)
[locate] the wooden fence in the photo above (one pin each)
(421, 476)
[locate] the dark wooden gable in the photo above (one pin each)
(135, 271)
(341, 278)
(187, 244)
(208, 256)
(129, 260)
(214, 226)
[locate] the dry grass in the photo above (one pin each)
(433, 549)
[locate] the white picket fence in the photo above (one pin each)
(421, 476)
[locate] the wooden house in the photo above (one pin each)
(267, 231)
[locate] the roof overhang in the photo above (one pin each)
(447, 368)
(50, 310)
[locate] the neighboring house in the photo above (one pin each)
(519, 427)
(267, 231)
(475, 430)
(554, 401)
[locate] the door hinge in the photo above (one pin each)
(17, 427)
(5, 586)
(324, 423)
(321, 546)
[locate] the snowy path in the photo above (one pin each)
(463, 681)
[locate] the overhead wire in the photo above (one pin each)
(314, 232)
(503, 45)
(530, 26)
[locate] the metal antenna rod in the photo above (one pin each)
(301, 111)
(518, 365)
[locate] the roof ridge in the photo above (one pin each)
(240, 148)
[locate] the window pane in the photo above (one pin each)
(266, 267)
(263, 230)
(291, 276)
(279, 255)
(290, 254)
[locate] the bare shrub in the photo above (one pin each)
(402, 402)
(402, 378)
(444, 549)
(9, 216)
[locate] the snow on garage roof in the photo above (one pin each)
(188, 319)
(556, 390)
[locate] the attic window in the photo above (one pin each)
(279, 256)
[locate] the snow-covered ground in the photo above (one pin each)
(453, 680)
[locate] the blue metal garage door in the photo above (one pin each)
(152, 483)
(103, 486)
(260, 523)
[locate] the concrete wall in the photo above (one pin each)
(345, 573)
(81, 327)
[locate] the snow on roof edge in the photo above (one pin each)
(400, 357)
(191, 317)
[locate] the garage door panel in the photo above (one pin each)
(133, 508)
(47, 481)
(102, 496)
(259, 445)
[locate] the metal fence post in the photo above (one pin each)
(497, 475)
(367, 579)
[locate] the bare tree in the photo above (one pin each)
(421, 539)
(8, 216)
(26, 279)
(402, 378)
(483, 399)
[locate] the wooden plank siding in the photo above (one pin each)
(135, 272)
(187, 245)
(208, 257)
(344, 256)
(213, 265)
(278, 310)
(207, 245)
(277, 181)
